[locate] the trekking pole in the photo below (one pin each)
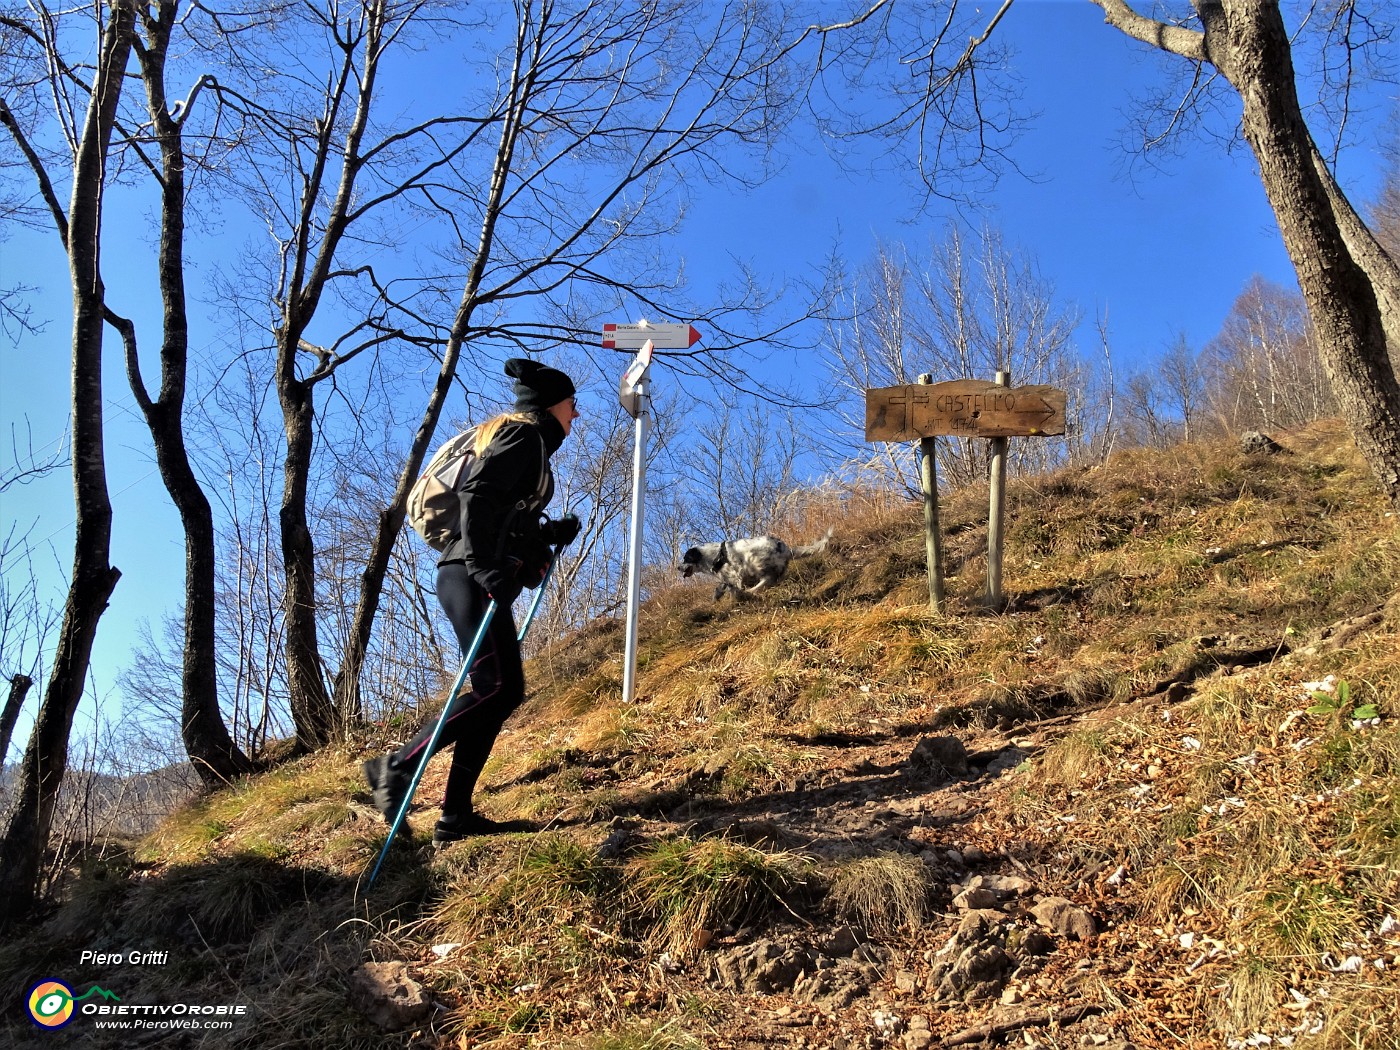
(432, 741)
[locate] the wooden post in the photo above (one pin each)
(997, 511)
(933, 535)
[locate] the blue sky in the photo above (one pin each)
(1165, 251)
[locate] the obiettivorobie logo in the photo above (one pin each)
(51, 1002)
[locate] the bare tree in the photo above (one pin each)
(966, 312)
(207, 741)
(1243, 49)
(551, 191)
(26, 625)
(1263, 371)
(1147, 414)
(93, 577)
(1385, 212)
(164, 127)
(1184, 384)
(1094, 403)
(737, 469)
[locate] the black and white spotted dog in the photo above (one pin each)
(749, 565)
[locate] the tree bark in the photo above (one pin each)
(310, 701)
(93, 579)
(313, 710)
(216, 758)
(1350, 283)
(1249, 43)
(19, 689)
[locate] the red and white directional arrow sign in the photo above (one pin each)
(662, 336)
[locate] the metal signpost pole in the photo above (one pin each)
(634, 548)
(633, 392)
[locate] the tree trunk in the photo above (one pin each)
(310, 702)
(19, 689)
(347, 683)
(93, 579)
(1247, 41)
(1350, 283)
(216, 758)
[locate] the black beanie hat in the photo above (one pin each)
(537, 386)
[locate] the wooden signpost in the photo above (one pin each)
(963, 408)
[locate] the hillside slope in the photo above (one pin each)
(1152, 803)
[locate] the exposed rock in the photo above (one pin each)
(1007, 758)
(979, 973)
(941, 757)
(1004, 886)
(978, 926)
(760, 968)
(975, 899)
(385, 994)
(1064, 918)
(616, 844)
(835, 986)
(844, 940)
(1024, 943)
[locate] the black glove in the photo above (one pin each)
(499, 584)
(560, 533)
(535, 559)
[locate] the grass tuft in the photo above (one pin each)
(883, 894)
(691, 889)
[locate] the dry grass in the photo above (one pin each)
(691, 889)
(1236, 813)
(883, 894)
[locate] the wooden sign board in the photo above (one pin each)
(964, 408)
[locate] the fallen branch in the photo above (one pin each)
(1007, 1025)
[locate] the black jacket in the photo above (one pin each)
(500, 509)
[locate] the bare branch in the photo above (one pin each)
(1188, 43)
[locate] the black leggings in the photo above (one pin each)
(498, 688)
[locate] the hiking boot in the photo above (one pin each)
(454, 829)
(388, 784)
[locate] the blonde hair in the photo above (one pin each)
(485, 432)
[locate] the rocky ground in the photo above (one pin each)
(1020, 945)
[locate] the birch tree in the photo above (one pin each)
(966, 310)
(1262, 366)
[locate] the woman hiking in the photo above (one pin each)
(502, 546)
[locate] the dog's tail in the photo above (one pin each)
(814, 548)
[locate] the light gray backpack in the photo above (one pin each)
(432, 502)
(433, 508)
